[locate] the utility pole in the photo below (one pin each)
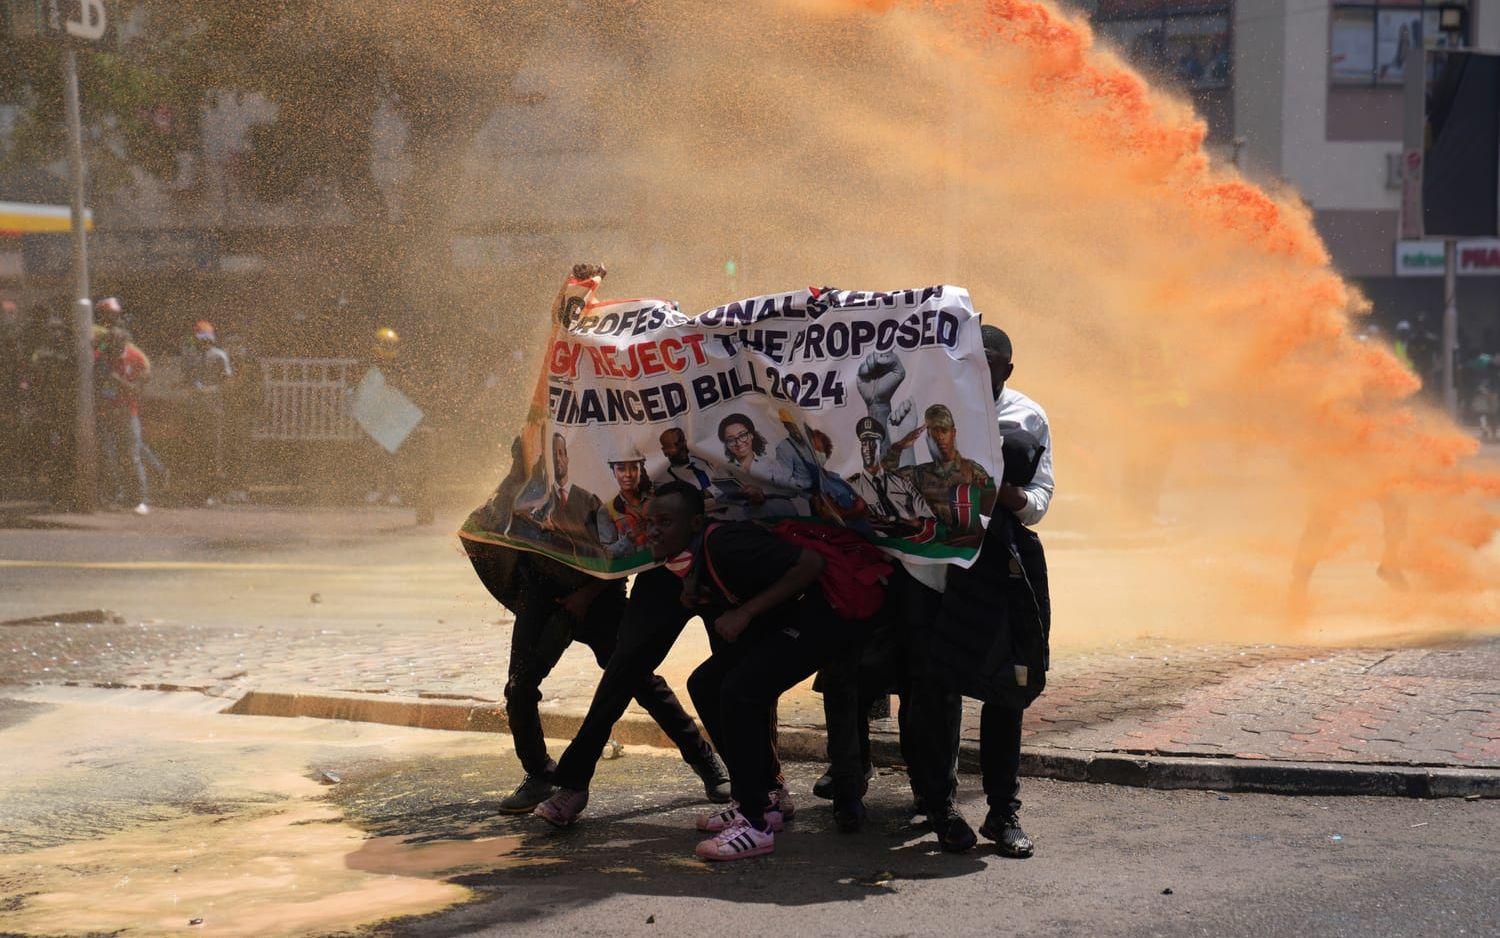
(85, 462)
(1450, 325)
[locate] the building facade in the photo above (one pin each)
(1309, 93)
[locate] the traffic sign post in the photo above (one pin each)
(74, 24)
(85, 454)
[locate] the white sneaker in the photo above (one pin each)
(739, 841)
(141, 509)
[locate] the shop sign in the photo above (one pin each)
(1478, 257)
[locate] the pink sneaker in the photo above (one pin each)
(563, 808)
(739, 841)
(723, 820)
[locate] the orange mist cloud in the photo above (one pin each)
(1176, 320)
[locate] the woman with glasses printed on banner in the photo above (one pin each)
(759, 485)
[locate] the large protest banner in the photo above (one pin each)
(865, 409)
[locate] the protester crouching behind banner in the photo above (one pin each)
(982, 632)
(772, 626)
(755, 406)
(555, 605)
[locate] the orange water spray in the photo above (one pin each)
(1160, 302)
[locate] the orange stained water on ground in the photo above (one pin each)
(1176, 318)
(266, 854)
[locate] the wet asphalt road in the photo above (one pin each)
(1251, 865)
(134, 813)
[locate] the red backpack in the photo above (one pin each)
(854, 572)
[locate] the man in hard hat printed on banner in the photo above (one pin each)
(957, 489)
(621, 520)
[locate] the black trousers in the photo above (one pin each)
(858, 675)
(936, 722)
(654, 617)
(542, 633)
(736, 689)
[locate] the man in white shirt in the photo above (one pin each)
(1016, 411)
(939, 711)
(1000, 727)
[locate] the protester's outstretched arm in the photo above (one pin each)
(576, 293)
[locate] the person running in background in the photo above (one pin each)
(120, 371)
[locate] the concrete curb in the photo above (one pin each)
(805, 743)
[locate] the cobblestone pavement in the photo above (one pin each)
(269, 605)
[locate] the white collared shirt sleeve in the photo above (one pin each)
(1015, 409)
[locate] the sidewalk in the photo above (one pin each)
(1142, 712)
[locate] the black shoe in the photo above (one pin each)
(1005, 831)
(953, 832)
(823, 787)
(533, 790)
(715, 778)
(848, 815)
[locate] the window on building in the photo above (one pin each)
(1371, 43)
(1189, 43)
(1187, 40)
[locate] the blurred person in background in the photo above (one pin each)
(52, 387)
(121, 369)
(243, 394)
(206, 371)
(12, 433)
(404, 476)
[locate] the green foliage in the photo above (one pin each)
(327, 65)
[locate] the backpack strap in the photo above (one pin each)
(708, 560)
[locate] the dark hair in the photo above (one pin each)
(758, 442)
(689, 494)
(995, 340)
(645, 489)
(818, 436)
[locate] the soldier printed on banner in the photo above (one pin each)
(957, 489)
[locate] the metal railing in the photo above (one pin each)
(307, 399)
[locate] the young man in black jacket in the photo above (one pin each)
(771, 627)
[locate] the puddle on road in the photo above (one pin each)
(272, 857)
